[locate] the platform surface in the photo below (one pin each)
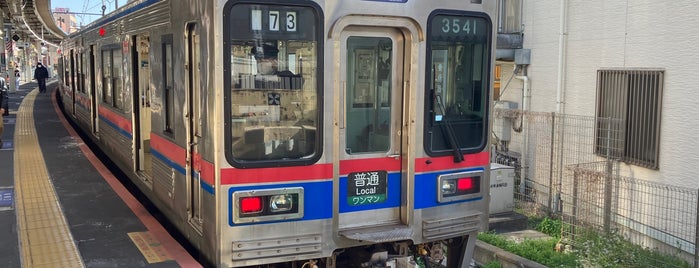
(60, 207)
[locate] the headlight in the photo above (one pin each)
(280, 203)
(448, 187)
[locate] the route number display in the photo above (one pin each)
(277, 20)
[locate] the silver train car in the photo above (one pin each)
(299, 133)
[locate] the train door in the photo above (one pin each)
(142, 109)
(93, 90)
(371, 182)
(194, 130)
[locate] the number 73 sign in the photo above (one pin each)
(276, 20)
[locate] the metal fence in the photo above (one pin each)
(565, 167)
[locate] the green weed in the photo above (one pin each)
(538, 250)
(590, 248)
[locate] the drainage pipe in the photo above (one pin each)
(526, 95)
(560, 96)
(562, 37)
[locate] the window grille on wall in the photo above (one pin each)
(634, 98)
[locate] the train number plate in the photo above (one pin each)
(368, 187)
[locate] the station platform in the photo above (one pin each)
(60, 206)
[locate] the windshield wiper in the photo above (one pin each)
(449, 129)
(446, 124)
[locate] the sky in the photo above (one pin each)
(86, 6)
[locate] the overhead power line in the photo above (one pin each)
(77, 13)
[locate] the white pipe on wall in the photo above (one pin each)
(562, 38)
(526, 95)
(525, 108)
(560, 100)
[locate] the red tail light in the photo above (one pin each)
(251, 204)
(464, 184)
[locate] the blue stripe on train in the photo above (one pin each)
(117, 128)
(205, 186)
(168, 161)
(318, 198)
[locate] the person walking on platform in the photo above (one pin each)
(4, 109)
(40, 74)
(16, 80)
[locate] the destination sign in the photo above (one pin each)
(369, 187)
(459, 27)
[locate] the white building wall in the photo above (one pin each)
(620, 34)
(541, 28)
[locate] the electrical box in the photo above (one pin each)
(502, 180)
(523, 56)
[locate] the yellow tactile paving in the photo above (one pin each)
(45, 239)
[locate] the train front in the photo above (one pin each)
(355, 132)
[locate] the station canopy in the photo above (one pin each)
(31, 20)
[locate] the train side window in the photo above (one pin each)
(64, 70)
(107, 91)
(168, 83)
(78, 72)
(83, 73)
(72, 70)
(117, 78)
(112, 75)
(273, 79)
(457, 83)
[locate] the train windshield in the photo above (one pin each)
(274, 93)
(457, 74)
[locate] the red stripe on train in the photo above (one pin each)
(278, 174)
(83, 100)
(116, 119)
(207, 171)
(447, 162)
(325, 171)
(178, 155)
(388, 164)
(168, 149)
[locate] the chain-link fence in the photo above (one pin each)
(565, 167)
(605, 209)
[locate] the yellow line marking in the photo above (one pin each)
(45, 239)
(150, 247)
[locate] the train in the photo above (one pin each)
(296, 133)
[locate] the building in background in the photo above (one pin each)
(65, 19)
(589, 59)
